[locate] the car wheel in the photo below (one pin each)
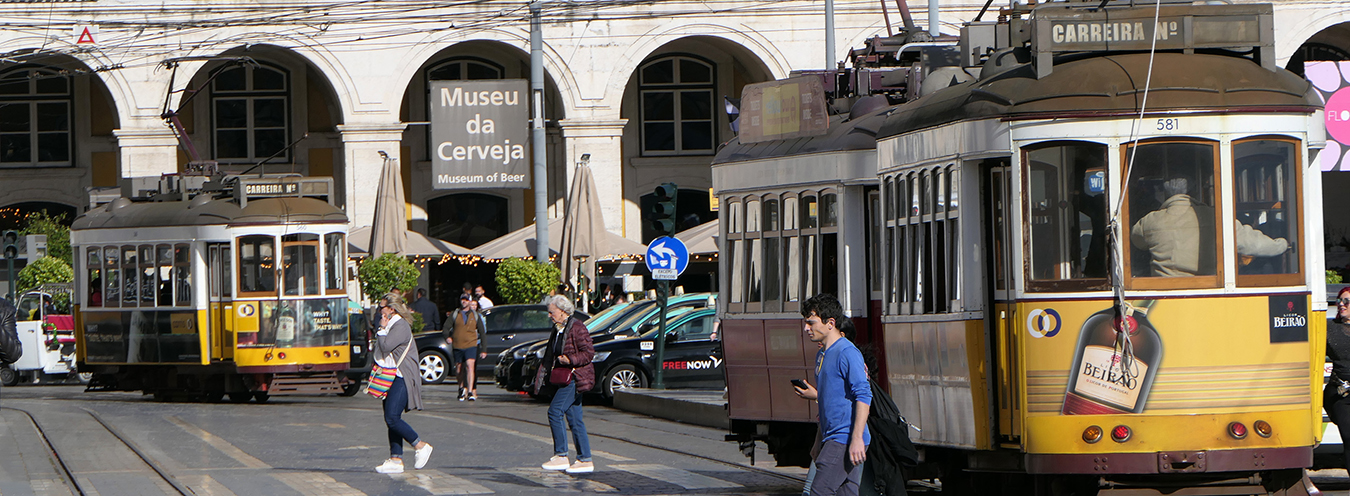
(84, 377)
(623, 377)
(433, 366)
(261, 397)
(8, 376)
(351, 389)
(240, 396)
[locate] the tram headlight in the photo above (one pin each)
(1262, 428)
(1092, 434)
(1237, 430)
(1121, 434)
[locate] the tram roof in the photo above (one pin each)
(204, 210)
(845, 133)
(1110, 85)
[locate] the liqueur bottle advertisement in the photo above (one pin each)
(1115, 362)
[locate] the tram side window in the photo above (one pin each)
(829, 243)
(129, 276)
(792, 253)
(149, 276)
(164, 276)
(334, 262)
(1066, 215)
(1171, 211)
(93, 269)
(809, 222)
(112, 281)
(1267, 200)
(752, 227)
(772, 268)
(257, 269)
(182, 270)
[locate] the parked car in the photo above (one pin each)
(638, 319)
(507, 371)
(48, 340)
(692, 359)
(507, 325)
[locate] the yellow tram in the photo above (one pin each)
(214, 286)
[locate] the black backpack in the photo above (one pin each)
(891, 452)
(10, 349)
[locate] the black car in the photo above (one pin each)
(508, 371)
(359, 337)
(693, 357)
(507, 325)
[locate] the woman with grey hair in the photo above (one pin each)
(394, 349)
(569, 356)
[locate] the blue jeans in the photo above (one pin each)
(568, 402)
(394, 405)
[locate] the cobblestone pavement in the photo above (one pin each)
(330, 446)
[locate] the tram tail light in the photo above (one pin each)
(1121, 434)
(328, 354)
(1237, 430)
(1092, 434)
(281, 356)
(1262, 428)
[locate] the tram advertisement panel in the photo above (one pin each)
(1182, 355)
(301, 323)
(142, 336)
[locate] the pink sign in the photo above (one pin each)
(1330, 79)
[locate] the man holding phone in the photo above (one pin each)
(844, 399)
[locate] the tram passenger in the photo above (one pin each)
(1252, 243)
(1336, 395)
(1179, 235)
(392, 342)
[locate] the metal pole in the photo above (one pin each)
(662, 294)
(933, 18)
(538, 146)
(10, 296)
(829, 34)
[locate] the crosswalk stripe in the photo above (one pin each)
(218, 443)
(679, 477)
(313, 483)
(205, 485)
(546, 440)
(559, 481)
(438, 483)
(49, 487)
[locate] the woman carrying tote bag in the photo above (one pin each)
(394, 349)
(569, 355)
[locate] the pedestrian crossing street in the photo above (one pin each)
(631, 478)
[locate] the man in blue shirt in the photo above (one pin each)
(844, 399)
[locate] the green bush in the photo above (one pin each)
(1333, 277)
(45, 270)
(56, 229)
(525, 281)
(388, 271)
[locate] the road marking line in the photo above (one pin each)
(532, 437)
(330, 426)
(437, 483)
(218, 443)
(204, 485)
(559, 481)
(316, 484)
(679, 477)
(49, 487)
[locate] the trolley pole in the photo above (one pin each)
(662, 294)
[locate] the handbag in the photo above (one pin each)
(561, 375)
(382, 378)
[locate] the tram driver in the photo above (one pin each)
(1179, 235)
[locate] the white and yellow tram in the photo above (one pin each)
(234, 286)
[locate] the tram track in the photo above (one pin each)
(74, 482)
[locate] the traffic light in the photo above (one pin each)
(662, 213)
(11, 239)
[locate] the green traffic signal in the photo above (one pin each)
(11, 241)
(662, 213)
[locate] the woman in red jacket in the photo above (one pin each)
(569, 353)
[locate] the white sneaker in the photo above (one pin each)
(558, 462)
(420, 456)
(581, 467)
(390, 466)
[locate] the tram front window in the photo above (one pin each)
(334, 260)
(1067, 215)
(257, 269)
(1172, 215)
(1265, 173)
(300, 264)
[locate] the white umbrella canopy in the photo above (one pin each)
(582, 228)
(419, 245)
(520, 243)
(389, 233)
(702, 239)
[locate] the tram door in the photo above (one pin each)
(221, 307)
(998, 204)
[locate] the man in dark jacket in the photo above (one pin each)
(431, 316)
(10, 350)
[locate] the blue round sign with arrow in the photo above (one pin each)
(667, 258)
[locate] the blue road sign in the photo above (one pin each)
(667, 258)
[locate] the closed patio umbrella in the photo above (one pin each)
(389, 233)
(582, 227)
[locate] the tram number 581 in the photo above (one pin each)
(1169, 124)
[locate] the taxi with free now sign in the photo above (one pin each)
(693, 356)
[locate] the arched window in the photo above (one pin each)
(465, 68)
(250, 113)
(676, 100)
(468, 219)
(35, 118)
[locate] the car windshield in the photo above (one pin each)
(632, 318)
(649, 331)
(606, 316)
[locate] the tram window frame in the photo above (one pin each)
(828, 282)
(754, 245)
(149, 277)
(1203, 281)
(307, 282)
(112, 280)
(790, 234)
(1292, 180)
(257, 241)
(182, 274)
(93, 270)
(335, 258)
(809, 234)
(164, 276)
(1060, 281)
(130, 277)
(734, 267)
(771, 285)
(923, 241)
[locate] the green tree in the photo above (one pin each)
(56, 229)
(388, 271)
(45, 270)
(525, 281)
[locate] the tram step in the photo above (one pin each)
(295, 384)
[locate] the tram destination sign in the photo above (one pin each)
(479, 134)
(785, 109)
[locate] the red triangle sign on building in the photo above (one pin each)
(86, 36)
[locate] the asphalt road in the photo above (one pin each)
(128, 444)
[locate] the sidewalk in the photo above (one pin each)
(26, 466)
(691, 406)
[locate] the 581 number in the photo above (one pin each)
(1169, 124)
